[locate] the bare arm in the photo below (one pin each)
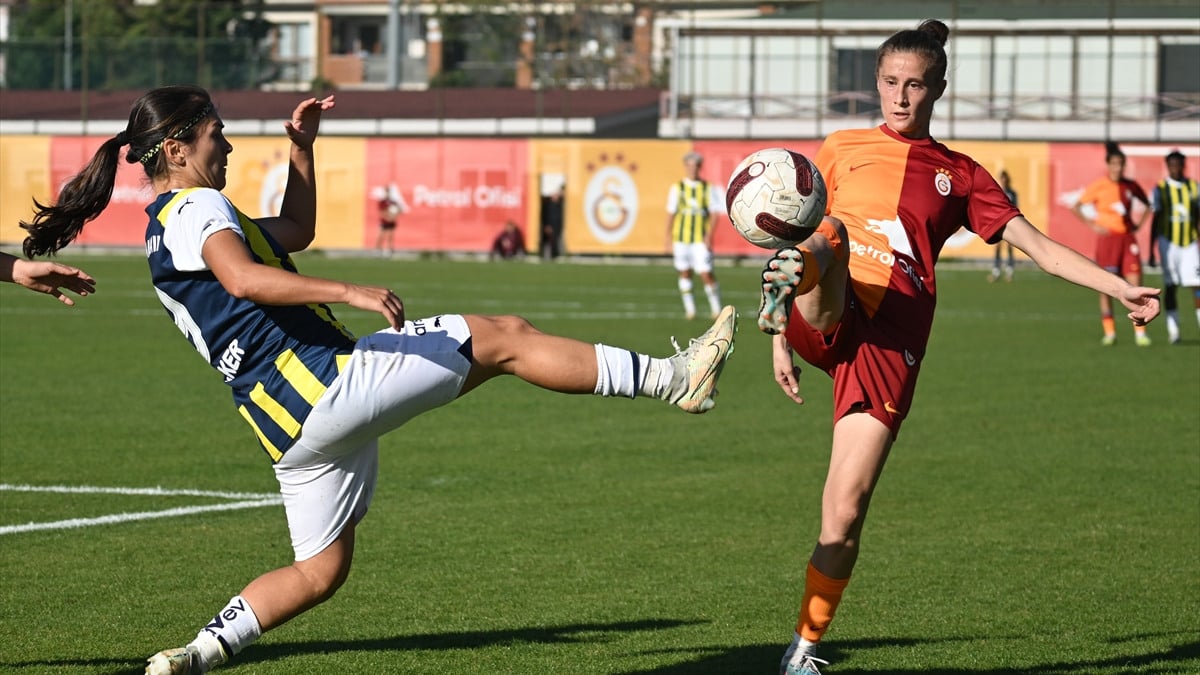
(46, 277)
(787, 373)
(296, 224)
(1065, 263)
(242, 277)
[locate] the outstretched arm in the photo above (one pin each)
(46, 277)
(1063, 262)
(297, 222)
(229, 259)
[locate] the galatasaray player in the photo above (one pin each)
(1111, 198)
(857, 298)
(317, 398)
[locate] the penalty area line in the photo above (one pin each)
(243, 501)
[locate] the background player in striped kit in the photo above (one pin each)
(692, 205)
(1176, 207)
(317, 398)
(857, 298)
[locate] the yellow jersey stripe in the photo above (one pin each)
(690, 224)
(274, 452)
(274, 410)
(342, 360)
(258, 243)
(299, 376)
(170, 207)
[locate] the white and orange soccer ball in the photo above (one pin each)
(776, 198)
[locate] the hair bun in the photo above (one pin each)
(937, 29)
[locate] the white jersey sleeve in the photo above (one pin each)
(716, 199)
(202, 213)
(673, 198)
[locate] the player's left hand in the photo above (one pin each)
(787, 373)
(1143, 303)
(306, 119)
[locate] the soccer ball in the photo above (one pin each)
(776, 198)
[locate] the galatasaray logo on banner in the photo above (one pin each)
(610, 199)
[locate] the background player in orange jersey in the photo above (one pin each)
(1111, 200)
(857, 298)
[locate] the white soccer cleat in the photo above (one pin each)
(181, 661)
(805, 665)
(780, 277)
(703, 360)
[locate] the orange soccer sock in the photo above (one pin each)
(811, 275)
(822, 595)
(1110, 327)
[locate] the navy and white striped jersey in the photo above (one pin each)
(278, 359)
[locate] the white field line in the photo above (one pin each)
(245, 500)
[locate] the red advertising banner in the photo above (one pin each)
(455, 194)
(123, 223)
(256, 178)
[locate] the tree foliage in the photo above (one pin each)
(123, 44)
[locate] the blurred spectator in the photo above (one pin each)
(510, 243)
(390, 204)
(552, 224)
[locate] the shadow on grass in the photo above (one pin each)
(745, 660)
(264, 653)
(764, 660)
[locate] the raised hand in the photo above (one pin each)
(306, 119)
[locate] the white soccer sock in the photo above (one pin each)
(1173, 322)
(685, 292)
(1198, 315)
(620, 372)
(798, 650)
(713, 291)
(228, 633)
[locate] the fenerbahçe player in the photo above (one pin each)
(279, 359)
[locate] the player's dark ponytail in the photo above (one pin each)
(166, 112)
(928, 39)
(1111, 149)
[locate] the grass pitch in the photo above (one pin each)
(1040, 512)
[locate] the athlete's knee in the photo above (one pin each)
(496, 340)
(513, 327)
(842, 521)
(323, 579)
(834, 231)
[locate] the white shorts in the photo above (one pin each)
(696, 257)
(1180, 264)
(327, 477)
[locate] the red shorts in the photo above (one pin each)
(1118, 253)
(868, 375)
